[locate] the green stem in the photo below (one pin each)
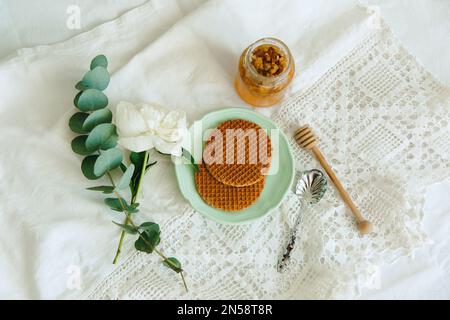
(119, 247)
(131, 222)
(122, 233)
(184, 281)
(133, 200)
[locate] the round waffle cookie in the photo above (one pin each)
(225, 197)
(244, 155)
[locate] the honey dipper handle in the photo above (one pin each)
(363, 225)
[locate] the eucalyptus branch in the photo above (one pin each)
(136, 228)
(133, 200)
(96, 141)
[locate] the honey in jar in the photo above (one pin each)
(266, 69)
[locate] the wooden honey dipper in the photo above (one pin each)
(307, 140)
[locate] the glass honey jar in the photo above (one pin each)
(266, 69)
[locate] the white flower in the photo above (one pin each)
(146, 126)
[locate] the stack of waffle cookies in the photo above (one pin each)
(236, 159)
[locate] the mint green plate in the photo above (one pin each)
(278, 182)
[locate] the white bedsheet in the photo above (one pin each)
(56, 223)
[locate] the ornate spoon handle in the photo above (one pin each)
(310, 188)
(287, 254)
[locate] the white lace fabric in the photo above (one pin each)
(383, 124)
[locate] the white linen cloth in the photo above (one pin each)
(54, 225)
(29, 23)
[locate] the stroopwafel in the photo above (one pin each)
(238, 153)
(226, 197)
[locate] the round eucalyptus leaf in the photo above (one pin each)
(102, 137)
(97, 78)
(149, 238)
(80, 86)
(126, 178)
(76, 122)
(173, 264)
(110, 143)
(149, 227)
(90, 100)
(107, 160)
(97, 117)
(133, 208)
(127, 228)
(79, 146)
(121, 205)
(116, 204)
(77, 97)
(87, 167)
(99, 60)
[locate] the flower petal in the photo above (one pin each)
(145, 126)
(129, 120)
(173, 148)
(173, 127)
(137, 144)
(153, 114)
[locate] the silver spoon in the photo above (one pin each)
(310, 187)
